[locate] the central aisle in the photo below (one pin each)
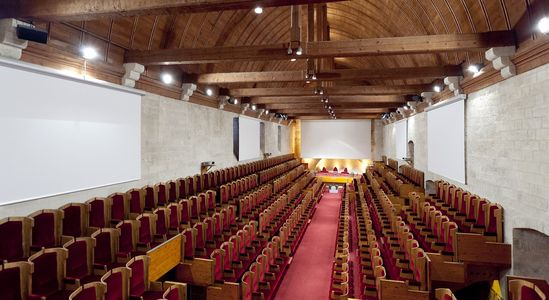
(310, 272)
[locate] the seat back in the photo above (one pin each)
(129, 235)
(80, 257)
(106, 245)
(190, 242)
(198, 184)
(118, 283)
(218, 256)
(161, 194)
(182, 188)
(136, 199)
(247, 285)
(173, 190)
(75, 220)
(162, 221)
(15, 280)
(186, 211)
(174, 291)
(174, 220)
(120, 207)
(99, 213)
(444, 294)
(90, 291)
(520, 289)
(147, 228)
(47, 229)
(139, 280)
(151, 197)
(49, 271)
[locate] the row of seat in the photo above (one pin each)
(471, 212)
(48, 274)
(264, 275)
(341, 279)
(413, 175)
(233, 189)
(275, 171)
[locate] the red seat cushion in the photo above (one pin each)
(12, 240)
(10, 284)
(529, 294)
(137, 281)
(44, 279)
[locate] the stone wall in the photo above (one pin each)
(507, 156)
(175, 137)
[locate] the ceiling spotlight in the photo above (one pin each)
(293, 59)
(330, 107)
(166, 78)
(325, 106)
(307, 81)
(209, 92)
(266, 111)
(313, 77)
(290, 51)
(437, 88)
(258, 10)
(89, 53)
(321, 92)
(299, 51)
(235, 100)
(254, 107)
(475, 68)
(543, 25)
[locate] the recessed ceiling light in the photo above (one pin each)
(437, 88)
(543, 25)
(166, 78)
(308, 81)
(209, 92)
(293, 59)
(299, 51)
(258, 10)
(89, 52)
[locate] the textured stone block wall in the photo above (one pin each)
(176, 136)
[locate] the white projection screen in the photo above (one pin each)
(446, 140)
(62, 134)
(248, 139)
(401, 138)
(336, 139)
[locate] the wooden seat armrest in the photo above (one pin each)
(156, 286)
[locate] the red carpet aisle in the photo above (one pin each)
(309, 274)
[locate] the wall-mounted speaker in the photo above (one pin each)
(32, 34)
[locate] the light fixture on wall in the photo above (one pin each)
(266, 111)
(233, 100)
(543, 25)
(258, 10)
(254, 107)
(293, 59)
(437, 88)
(167, 78)
(209, 92)
(89, 52)
(475, 68)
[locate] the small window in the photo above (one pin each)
(279, 138)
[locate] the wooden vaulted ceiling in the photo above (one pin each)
(118, 32)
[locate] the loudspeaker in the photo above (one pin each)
(32, 34)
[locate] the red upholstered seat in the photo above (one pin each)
(46, 232)
(190, 185)
(139, 285)
(198, 183)
(183, 190)
(120, 207)
(162, 225)
(129, 231)
(79, 261)
(151, 197)
(48, 273)
(186, 212)
(190, 241)
(75, 220)
(14, 280)
(106, 248)
(162, 194)
(117, 281)
(334, 169)
(15, 233)
(172, 191)
(217, 256)
(137, 201)
(100, 212)
(90, 291)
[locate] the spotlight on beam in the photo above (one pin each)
(258, 10)
(437, 88)
(167, 78)
(543, 25)
(89, 52)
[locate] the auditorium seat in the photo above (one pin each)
(48, 277)
(90, 291)
(218, 257)
(191, 186)
(174, 291)
(162, 224)
(161, 194)
(172, 190)
(190, 242)
(75, 220)
(186, 212)
(118, 283)
(106, 249)
(198, 184)
(129, 235)
(345, 171)
(79, 267)
(200, 241)
(140, 285)
(151, 197)
(99, 213)
(147, 231)
(334, 169)
(445, 294)
(47, 229)
(14, 280)
(182, 188)
(196, 207)
(136, 199)
(120, 208)
(525, 290)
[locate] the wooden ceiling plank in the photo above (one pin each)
(286, 107)
(332, 99)
(78, 10)
(338, 90)
(334, 75)
(319, 49)
(297, 112)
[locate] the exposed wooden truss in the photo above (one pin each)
(339, 116)
(343, 90)
(331, 99)
(72, 10)
(288, 107)
(334, 75)
(319, 49)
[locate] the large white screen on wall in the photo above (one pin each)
(446, 140)
(62, 135)
(401, 138)
(248, 139)
(341, 139)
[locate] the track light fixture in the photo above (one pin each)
(167, 78)
(543, 25)
(437, 88)
(258, 10)
(475, 68)
(299, 51)
(254, 107)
